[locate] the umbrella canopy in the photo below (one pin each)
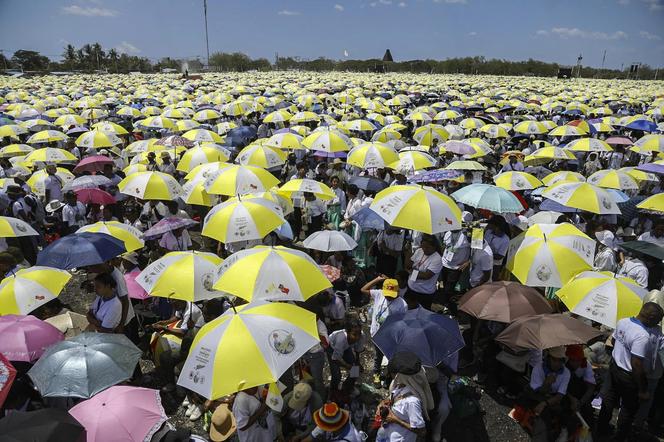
(589, 145)
(329, 241)
(24, 291)
(369, 183)
(431, 336)
(321, 190)
(86, 182)
(546, 331)
(168, 225)
(602, 297)
(517, 181)
(242, 220)
(150, 186)
(129, 235)
(181, 275)
(250, 347)
(127, 413)
(488, 197)
(271, 273)
(69, 323)
(262, 156)
(544, 217)
(45, 425)
(583, 196)
(418, 208)
(503, 301)
(644, 247)
(94, 196)
(14, 228)
(654, 203)
(80, 250)
(85, 365)
(94, 163)
(372, 155)
(234, 180)
(563, 175)
(613, 179)
(25, 338)
(549, 255)
(201, 155)
(328, 141)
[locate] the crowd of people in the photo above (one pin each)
(358, 138)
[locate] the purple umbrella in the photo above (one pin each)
(25, 338)
(167, 225)
(433, 176)
(652, 168)
(322, 154)
(94, 163)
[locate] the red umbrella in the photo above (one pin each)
(94, 163)
(94, 196)
(619, 141)
(7, 375)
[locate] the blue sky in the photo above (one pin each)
(554, 30)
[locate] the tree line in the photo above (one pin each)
(93, 57)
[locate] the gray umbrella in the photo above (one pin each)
(85, 365)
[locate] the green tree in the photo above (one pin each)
(30, 60)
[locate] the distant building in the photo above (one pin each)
(388, 56)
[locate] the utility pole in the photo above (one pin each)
(578, 66)
(603, 58)
(207, 43)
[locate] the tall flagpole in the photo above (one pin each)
(207, 43)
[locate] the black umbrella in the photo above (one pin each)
(46, 425)
(644, 248)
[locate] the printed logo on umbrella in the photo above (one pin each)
(282, 341)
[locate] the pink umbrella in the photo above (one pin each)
(134, 289)
(25, 338)
(126, 413)
(94, 163)
(619, 141)
(94, 196)
(168, 224)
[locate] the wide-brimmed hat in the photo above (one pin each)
(390, 288)
(222, 424)
(54, 206)
(606, 238)
(337, 161)
(330, 417)
(300, 396)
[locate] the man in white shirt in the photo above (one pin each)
(627, 383)
(166, 165)
(73, 213)
(424, 267)
(52, 185)
(655, 236)
(177, 240)
(346, 345)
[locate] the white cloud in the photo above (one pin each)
(402, 4)
(287, 12)
(648, 36)
(339, 7)
(385, 2)
(451, 2)
(563, 32)
(127, 48)
(472, 34)
(88, 11)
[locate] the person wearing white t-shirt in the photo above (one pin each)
(455, 253)
(251, 417)
(177, 240)
(52, 185)
(424, 267)
(636, 269)
(481, 265)
(627, 382)
(384, 302)
(128, 325)
(654, 236)
(105, 312)
(73, 213)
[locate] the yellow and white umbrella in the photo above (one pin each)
(193, 192)
(157, 122)
(128, 111)
(654, 203)
(602, 297)
(150, 186)
(417, 208)
(567, 131)
(252, 346)
(49, 155)
(47, 136)
(429, 133)
(14, 227)
(494, 131)
(110, 127)
(589, 145)
(133, 168)
(303, 117)
(295, 187)
(563, 175)
(278, 116)
(37, 180)
(129, 235)
(283, 201)
(549, 255)
(613, 179)
(271, 274)
(12, 130)
(386, 135)
(238, 180)
(69, 120)
(372, 155)
(140, 146)
(206, 115)
(547, 154)
(203, 135)
(15, 150)
(583, 196)
(242, 220)
(24, 291)
(517, 181)
(327, 141)
(96, 139)
(187, 276)
(652, 142)
(531, 128)
(261, 156)
(285, 141)
(201, 155)
(411, 160)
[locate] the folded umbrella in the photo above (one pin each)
(131, 414)
(432, 337)
(94, 196)
(85, 365)
(45, 425)
(546, 331)
(80, 250)
(25, 338)
(503, 301)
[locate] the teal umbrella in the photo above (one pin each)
(488, 197)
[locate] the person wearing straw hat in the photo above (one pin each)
(295, 421)
(333, 424)
(222, 424)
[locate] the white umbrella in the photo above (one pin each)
(330, 241)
